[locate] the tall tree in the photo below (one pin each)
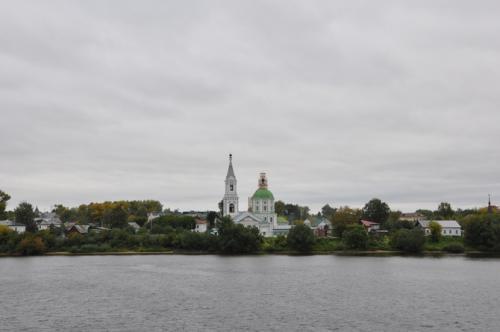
(4, 198)
(376, 210)
(343, 217)
(327, 211)
(445, 211)
(279, 207)
(301, 238)
(26, 216)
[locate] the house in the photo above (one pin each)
(412, 216)
(13, 226)
(370, 226)
(323, 229)
(134, 225)
(48, 219)
(201, 225)
(448, 227)
(77, 229)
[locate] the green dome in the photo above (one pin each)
(263, 193)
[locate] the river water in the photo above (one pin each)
(249, 293)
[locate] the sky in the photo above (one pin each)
(338, 101)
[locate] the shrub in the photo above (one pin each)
(455, 248)
(408, 240)
(355, 237)
(31, 245)
(301, 238)
(435, 231)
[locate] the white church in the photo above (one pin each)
(260, 206)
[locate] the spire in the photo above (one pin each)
(230, 171)
(490, 208)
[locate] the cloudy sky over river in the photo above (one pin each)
(338, 101)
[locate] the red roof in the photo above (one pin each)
(368, 223)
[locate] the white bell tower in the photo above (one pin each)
(230, 200)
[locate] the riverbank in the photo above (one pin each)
(353, 253)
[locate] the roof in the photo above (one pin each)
(443, 223)
(368, 223)
(242, 215)
(82, 229)
(200, 221)
(263, 193)
(134, 225)
(230, 171)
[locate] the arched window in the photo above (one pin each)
(231, 187)
(231, 208)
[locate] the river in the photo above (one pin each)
(249, 293)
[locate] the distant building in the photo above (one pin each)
(370, 226)
(260, 212)
(201, 225)
(13, 226)
(448, 227)
(48, 219)
(77, 229)
(134, 226)
(412, 216)
(323, 229)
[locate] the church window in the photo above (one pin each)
(265, 208)
(231, 208)
(271, 219)
(231, 187)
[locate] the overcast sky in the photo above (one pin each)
(338, 101)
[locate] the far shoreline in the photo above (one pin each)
(354, 253)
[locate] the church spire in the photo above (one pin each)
(230, 171)
(490, 208)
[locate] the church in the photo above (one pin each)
(260, 212)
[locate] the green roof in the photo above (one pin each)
(263, 193)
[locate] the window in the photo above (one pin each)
(231, 208)
(231, 187)
(271, 219)
(265, 208)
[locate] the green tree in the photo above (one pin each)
(355, 237)
(482, 231)
(26, 216)
(327, 211)
(343, 217)
(4, 198)
(435, 231)
(376, 210)
(279, 207)
(445, 211)
(116, 217)
(301, 238)
(408, 240)
(237, 239)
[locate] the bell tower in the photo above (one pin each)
(230, 200)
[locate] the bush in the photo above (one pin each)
(301, 238)
(355, 237)
(272, 244)
(237, 239)
(31, 245)
(455, 248)
(411, 241)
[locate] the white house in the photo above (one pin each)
(13, 226)
(448, 227)
(48, 219)
(201, 225)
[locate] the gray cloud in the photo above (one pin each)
(338, 101)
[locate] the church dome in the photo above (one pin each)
(263, 193)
